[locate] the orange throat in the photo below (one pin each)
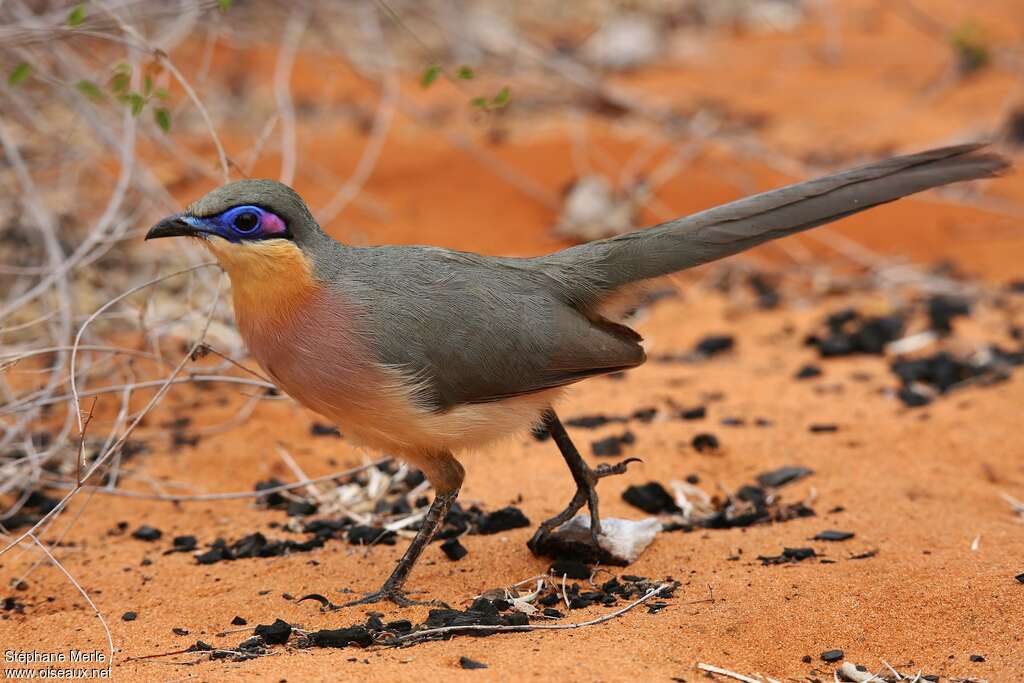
(271, 280)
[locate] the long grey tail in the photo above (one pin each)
(597, 269)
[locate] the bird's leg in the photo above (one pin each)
(446, 474)
(586, 482)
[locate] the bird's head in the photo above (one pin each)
(251, 226)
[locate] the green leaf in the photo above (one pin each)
(479, 102)
(90, 90)
(162, 118)
(19, 74)
(465, 73)
(77, 15)
(501, 99)
(137, 102)
(161, 94)
(224, 5)
(430, 75)
(120, 82)
(147, 85)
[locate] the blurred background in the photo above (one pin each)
(505, 128)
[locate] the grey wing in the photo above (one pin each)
(477, 329)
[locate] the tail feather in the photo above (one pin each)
(597, 269)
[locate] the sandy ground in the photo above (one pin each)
(917, 486)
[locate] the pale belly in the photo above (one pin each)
(374, 405)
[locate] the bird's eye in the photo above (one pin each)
(247, 221)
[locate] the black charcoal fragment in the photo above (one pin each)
(824, 428)
(320, 429)
(147, 533)
(129, 616)
(808, 371)
(454, 550)
(301, 508)
(342, 637)
(787, 556)
(783, 476)
(570, 569)
(502, 520)
(612, 445)
(651, 498)
(698, 413)
(714, 344)
(467, 663)
(833, 535)
(832, 655)
(370, 535)
(276, 633)
(705, 442)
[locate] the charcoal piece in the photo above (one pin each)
(943, 309)
(714, 344)
(147, 533)
(276, 633)
(823, 428)
(238, 621)
(651, 498)
(320, 429)
(705, 442)
(467, 663)
(645, 414)
(698, 413)
(271, 500)
(782, 476)
(592, 421)
(342, 637)
(398, 626)
(570, 569)
(833, 535)
(875, 333)
(39, 501)
(129, 616)
(301, 508)
(612, 445)
(183, 544)
(214, 555)
(502, 520)
(912, 398)
(808, 371)
(752, 494)
(370, 535)
(787, 556)
(454, 550)
(832, 655)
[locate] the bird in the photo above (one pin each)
(427, 353)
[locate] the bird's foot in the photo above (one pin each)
(586, 494)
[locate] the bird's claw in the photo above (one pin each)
(586, 494)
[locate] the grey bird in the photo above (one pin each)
(425, 352)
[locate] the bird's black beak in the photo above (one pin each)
(179, 225)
